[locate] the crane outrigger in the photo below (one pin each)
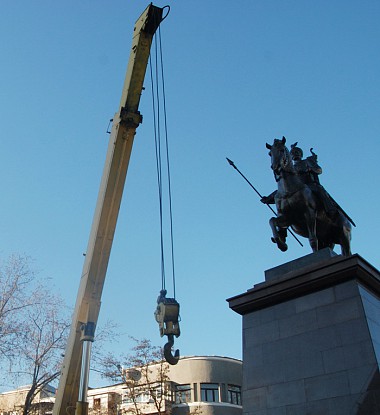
(73, 384)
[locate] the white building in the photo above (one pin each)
(12, 402)
(200, 385)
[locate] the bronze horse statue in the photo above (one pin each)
(301, 207)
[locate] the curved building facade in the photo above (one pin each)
(197, 385)
(210, 383)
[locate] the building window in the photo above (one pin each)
(157, 392)
(234, 394)
(96, 403)
(126, 398)
(143, 397)
(182, 393)
(209, 392)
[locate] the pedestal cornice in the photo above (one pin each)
(307, 279)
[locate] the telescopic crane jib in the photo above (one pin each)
(73, 384)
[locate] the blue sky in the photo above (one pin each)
(238, 74)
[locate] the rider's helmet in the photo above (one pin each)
(296, 152)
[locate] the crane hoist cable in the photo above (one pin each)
(167, 311)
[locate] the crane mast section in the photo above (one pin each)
(125, 122)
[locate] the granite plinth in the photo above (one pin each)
(311, 338)
(306, 261)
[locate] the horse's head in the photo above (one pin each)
(280, 157)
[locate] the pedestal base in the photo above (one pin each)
(311, 338)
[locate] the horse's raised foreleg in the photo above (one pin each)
(279, 234)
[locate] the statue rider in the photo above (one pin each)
(309, 170)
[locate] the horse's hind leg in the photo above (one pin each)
(311, 223)
(346, 242)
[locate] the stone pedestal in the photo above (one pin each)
(311, 338)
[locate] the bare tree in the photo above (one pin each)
(146, 375)
(33, 327)
(43, 338)
(34, 323)
(16, 278)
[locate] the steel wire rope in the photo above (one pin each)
(167, 163)
(156, 101)
(158, 167)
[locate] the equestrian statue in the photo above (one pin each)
(303, 203)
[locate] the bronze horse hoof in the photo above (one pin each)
(282, 246)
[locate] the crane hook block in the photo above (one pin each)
(167, 315)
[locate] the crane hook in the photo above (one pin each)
(172, 360)
(167, 317)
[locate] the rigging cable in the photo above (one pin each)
(156, 127)
(167, 165)
(155, 76)
(167, 311)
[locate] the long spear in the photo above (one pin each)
(231, 163)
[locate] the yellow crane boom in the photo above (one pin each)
(74, 375)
